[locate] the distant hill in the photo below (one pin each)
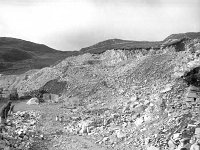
(18, 56)
(120, 44)
(132, 45)
(191, 35)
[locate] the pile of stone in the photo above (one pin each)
(140, 118)
(20, 130)
(109, 127)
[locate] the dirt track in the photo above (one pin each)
(55, 137)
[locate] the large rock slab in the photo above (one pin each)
(33, 101)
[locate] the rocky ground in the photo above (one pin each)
(117, 99)
(20, 130)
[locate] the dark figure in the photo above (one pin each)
(4, 112)
(11, 109)
(14, 96)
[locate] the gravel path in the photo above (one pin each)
(55, 137)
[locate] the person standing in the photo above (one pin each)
(4, 112)
(11, 111)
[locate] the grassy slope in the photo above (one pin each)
(120, 44)
(18, 56)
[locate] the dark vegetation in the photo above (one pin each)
(13, 55)
(18, 56)
(54, 86)
(193, 77)
(5, 66)
(120, 44)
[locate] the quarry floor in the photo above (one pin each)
(53, 131)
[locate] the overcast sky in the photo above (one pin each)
(73, 24)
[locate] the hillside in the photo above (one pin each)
(135, 45)
(18, 56)
(191, 35)
(120, 44)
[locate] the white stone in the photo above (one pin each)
(120, 134)
(147, 118)
(133, 98)
(139, 121)
(151, 104)
(167, 88)
(152, 148)
(84, 126)
(105, 139)
(33, 101)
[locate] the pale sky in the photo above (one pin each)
(73, 24)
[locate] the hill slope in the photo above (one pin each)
(134, 45)
(120, 44)
(191, 35)
(18, 56)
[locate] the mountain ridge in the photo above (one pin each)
(191, 35)
(132, 45)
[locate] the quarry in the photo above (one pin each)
(117, 99)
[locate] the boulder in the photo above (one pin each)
(46, 97)
(120, 134)
(152, 148)
(54, 98)
(134, 98)
(33, 101)
(84, 126)
(189, 99)
(139, 108)
(197, 132)
(191, 95)
(147, 117)
(139, 121)
(167, 88)
(193, 88)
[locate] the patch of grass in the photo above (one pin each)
(15, 55)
